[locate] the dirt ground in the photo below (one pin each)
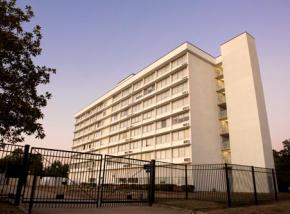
(201, 207)
(196, 207)
(6, 208)
(282, 207)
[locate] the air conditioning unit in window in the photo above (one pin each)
(129, 152)
(185, 78)
(186, 159)
(186, 141)
(185, 63)
(126, 165)
(126, 153)
(185, 124)
(185, 92)
(185, 108)
(128, 139)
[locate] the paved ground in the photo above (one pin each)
(114, 210)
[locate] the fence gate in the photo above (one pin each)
(11, 172)
(126, 180)
(62, 178)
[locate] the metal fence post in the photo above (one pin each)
(186, 184)
(152, 183)
(254, 185)
(228, 186)
(23, 175)
(275, 184)
(32, 193)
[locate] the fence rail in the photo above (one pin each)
(38, 177)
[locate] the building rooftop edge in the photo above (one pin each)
(157, 63)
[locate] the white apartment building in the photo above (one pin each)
(186, 107)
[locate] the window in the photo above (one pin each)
(179, 75)
(178, 61)
(163, 154)
(180, 88)
(163, 109)
(114, 117)
(114, 128)
(163, 70)
(163, 96)
(116, 107)
(148, 142)
(162, 123)
(148, 156)
(180, 118)
(138, 96)
(114, 138)
(124, 147)
(149, 89)
(180, 135)
(137, 107)
(133, 180)
(137, 85)
(148, 102)
(126, 91)
(125, 124)
(135, 145)
(162, 139)
(149, 78)
(136, 119)
(148, 128)
(113, 150)
(180, 103)
(124, 113)
(135, 132)
(163, 83)
(125, 102)
(181, 152)
(124, 135)
(116, 97)
(148, 115)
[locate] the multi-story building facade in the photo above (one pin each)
(186, 107)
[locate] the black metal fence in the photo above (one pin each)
(125, 180)
(38, 177)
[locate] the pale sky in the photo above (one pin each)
(94, 44)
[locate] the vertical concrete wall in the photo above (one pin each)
(248, 125)
(205, 138)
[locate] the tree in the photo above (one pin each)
(20, 103)
(282, 165)
(11, 164)
(57, 169)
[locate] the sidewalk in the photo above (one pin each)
(113, 210)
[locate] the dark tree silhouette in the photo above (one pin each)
(57, 169)
(20, 103)
(11, 164)
(282, 165)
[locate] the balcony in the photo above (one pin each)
(225, 145)
(224, 130)
(219, 74)
(221, 100)
(223, 115)
(220, 87)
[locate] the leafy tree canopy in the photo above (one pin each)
(282, 164)
(57, 169)
(20, 104)
(11, 164)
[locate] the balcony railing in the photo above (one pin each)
(219, 74)
(220, 87)
(225, 144)
(224, 130)
(223, 114)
